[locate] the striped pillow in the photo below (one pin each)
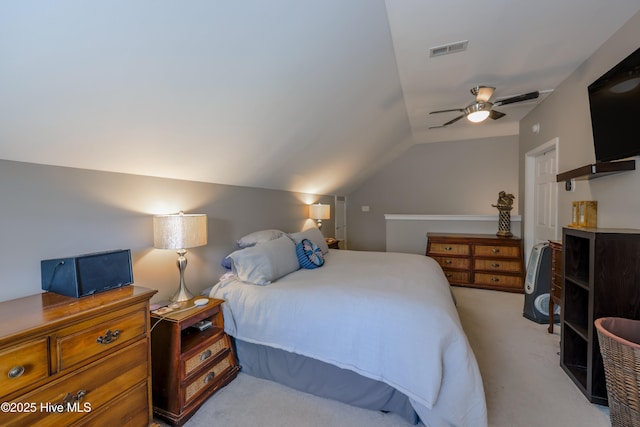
(309, 254)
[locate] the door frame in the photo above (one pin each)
(529, 192)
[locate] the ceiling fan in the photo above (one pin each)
(481, 109)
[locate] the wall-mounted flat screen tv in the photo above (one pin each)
(614, 100)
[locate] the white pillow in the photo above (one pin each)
(256, 237)
(314, 234)
(266, 262)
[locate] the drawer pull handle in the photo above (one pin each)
(449, 275)
(495, 265)
(205, 355)
(16, 371)
(68, 399)
(448, 248)
(495, 250)
(448, 261)
(495, 279)
(108, 337)
(210, 376)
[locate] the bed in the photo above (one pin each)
(372, 329)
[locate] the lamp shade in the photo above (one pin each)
(319, 211)
(179, 231)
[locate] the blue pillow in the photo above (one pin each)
(309, 254)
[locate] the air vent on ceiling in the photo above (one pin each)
(449, 48)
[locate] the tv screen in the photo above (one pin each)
(614, 100)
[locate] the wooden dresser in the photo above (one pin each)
(76, 361)
(555, 284)
(189, 364)
(479, 260)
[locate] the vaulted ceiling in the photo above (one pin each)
(310, 96)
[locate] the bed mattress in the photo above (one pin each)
(388, 317)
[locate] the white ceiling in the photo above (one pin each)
(309, 96)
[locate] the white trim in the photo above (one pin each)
(410, 217)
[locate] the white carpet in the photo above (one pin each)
(519, 362)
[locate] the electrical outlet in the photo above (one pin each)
(570, 185)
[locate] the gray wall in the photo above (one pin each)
(52, 212)
(565, 114)
(458, 178)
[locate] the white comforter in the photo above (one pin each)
(387, 316)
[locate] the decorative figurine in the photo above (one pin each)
(504, 205)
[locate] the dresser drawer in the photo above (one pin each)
(88, 389)
(458, 276)
(209, 378)
(456, 263)
(497, 265)
(449, 249)
(497, 251)
(128, 409)
(23, 364)
(205, 354)
(75, 345)
(499, 280)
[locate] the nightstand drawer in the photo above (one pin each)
(23, 364)
(457, 276)
(108, 332)
(459, 263)
(206, 353)
(497, 265)
(209, 378)
(94, 385)
(449, 249)
(499, 280)
(497, 251)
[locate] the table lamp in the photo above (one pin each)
(319, 212)
(180, 231)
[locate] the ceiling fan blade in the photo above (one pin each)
(483, 93)
(460, 110)
(518, 98)
(450, 122)
(495, 115)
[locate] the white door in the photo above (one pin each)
(341, 220)
(546, 197)
(541, 195)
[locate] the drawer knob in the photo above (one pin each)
(205, 355)
(16, 371)
(210, 376)
(495, 279)
(108, 337)
(447, 261)
(495, 265)
(448, 248)
(495, 250)
(449, 275)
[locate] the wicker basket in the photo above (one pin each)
(620, 347)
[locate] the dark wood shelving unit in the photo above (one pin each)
(601, 273)
(597, 170)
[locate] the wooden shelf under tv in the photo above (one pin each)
(597, 170)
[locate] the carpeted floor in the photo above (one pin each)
(518, 359)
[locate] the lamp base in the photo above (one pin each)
(183, 293)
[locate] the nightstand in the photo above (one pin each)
(189, 364)
(332, 243)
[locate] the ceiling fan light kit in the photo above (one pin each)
(478, 112)
(482, 109)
